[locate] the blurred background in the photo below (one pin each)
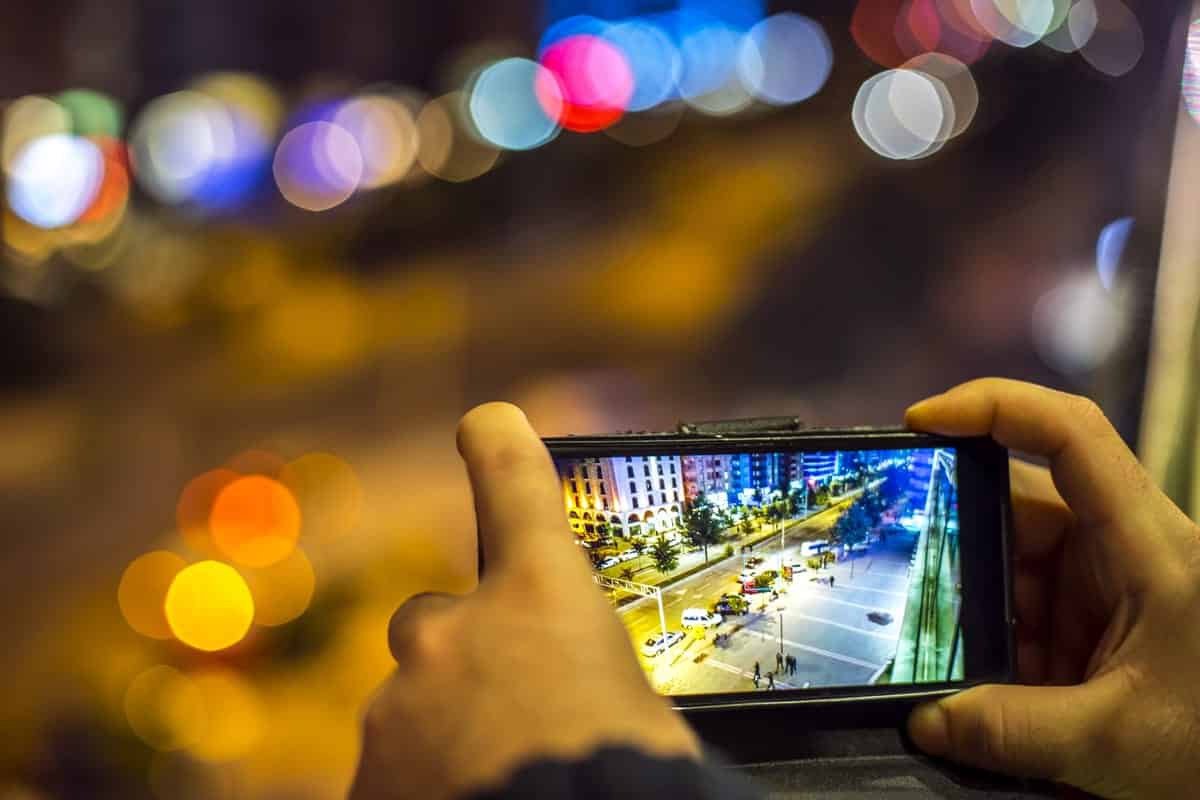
(259, 256)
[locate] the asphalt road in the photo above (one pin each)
(826, 629)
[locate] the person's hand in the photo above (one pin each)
(1107, 600)
(534, 663)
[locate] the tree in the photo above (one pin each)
(746, 526)
(702, 525)
(627, 573)
(795, 501)
(851, 527)
(638, 546)
(665, 555)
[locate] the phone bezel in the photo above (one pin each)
(984, 509)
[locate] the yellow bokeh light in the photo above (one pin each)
(143, 590)
(255, 521)
(209, 606)
(233, 716)
(164, 708)
(328, 491)
(283, 590)
(446, 150)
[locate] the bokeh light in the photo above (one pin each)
(447, 150)
(653, 59)
(195, 505)
(709, 54)
(111, 197)
(53, 179)
(1077, 29)
(873, 27)
(28, 118)
(903, 114)
(164, 708)
(233, 720)
(255, 521)
(960, 34)
(785, 59)
(956, 77)
(283, 590)
(318, 166)
(328, 492)
(1110, 249)
(647, 127)
(386, 134)
(209, 606)
(1019, 23)
(587, 81)
(92, 113)
(142, 592)
(192, 147)
(508, 109)
(1117, 43)
(1077, 325)
(724, 101)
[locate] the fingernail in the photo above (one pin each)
(930, 729)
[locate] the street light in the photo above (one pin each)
(780, 633)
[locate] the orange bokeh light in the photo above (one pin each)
(195, 507)
(255, 521)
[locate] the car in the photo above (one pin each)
(611, 561)
(628, 555)
(857, 548)
(699, 618)
(809, 549)
(731, 605)
(754, 561)
(658, 644)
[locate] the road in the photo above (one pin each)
(825, 628)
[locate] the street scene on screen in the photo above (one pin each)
(772, 571)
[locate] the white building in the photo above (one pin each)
(633, 495)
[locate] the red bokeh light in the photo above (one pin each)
(587, 83)
(890, 32)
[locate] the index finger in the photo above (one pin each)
(518, 499)
(1097, 475)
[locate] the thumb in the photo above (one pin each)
(1030, 731)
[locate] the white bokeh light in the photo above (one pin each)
(53, 179)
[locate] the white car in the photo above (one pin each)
(810, 549)
(628, 555)
(699, 618)
(611, 561)
(657, 644)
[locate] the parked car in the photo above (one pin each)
(754, 561)
(699, 618)
(658, 644)
(611, 561)
(628, 555)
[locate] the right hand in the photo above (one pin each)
(1107, 599)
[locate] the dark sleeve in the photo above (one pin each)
(622, 772)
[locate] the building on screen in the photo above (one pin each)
(630, 495)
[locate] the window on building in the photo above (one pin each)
(590, 528)
(646, 470)
(660, 468)
(629, 469)
(649, 486)
(635, 502)
(576, 499)
(672, 467)
(676, 496)
(603, 488)
(674, 483)
(585, 471)
(587, 487)
(632, 488)
(662, 484)
(605, 501)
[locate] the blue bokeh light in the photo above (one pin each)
(785, 59)
(1110, 248)
(653, 59)
(505, 109)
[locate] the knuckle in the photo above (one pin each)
(419, 640)
(1086, 413)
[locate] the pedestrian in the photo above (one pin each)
(757, 673)
(770, 681)
(756, 680)
(779, 662)
(830, 581)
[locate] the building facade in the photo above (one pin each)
(630, 495)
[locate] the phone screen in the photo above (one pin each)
(739, 572)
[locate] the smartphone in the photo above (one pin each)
(799, 568)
